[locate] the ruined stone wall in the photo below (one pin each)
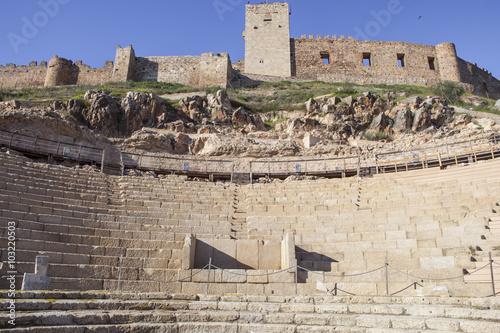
(123, 70)
(483, 81)
(364, 62)
(63, 72)
(215, 70)
(167, 69)
(198, 71)
(12, 76)
(87, 75)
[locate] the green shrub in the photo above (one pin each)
(377, 136)
(449, 91)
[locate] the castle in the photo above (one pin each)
(272, 55)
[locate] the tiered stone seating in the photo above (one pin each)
(103, 312)
(84, 222)
(426, 225)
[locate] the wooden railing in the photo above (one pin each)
(454, 153)
(159, 163)
(31, 144)
(341, 166)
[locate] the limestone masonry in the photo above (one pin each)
(270, 54)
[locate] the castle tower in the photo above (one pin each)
(59, 72)
(124, 64)
(267, 39)
(448, 62)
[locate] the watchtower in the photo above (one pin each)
(267, 39)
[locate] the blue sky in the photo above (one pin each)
(90, 30)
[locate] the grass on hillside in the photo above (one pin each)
(268, 96)
(118, 89)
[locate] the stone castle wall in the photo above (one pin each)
(59, 72)
(12, 76)
(268, 48)
(483, 81)
(364, 62)
(198, 71)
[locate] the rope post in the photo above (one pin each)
(102, 160)
(386, 277)
(119, 273)
(492, 277)
(208, 277)
(296, 276)
(250, 172)
(232, 172)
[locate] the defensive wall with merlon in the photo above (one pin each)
(270, 51)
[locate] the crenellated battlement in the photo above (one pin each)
(327, 37)
(343, 58)
(270, 51)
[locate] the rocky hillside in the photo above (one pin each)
(214, 125)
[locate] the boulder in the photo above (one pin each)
(380, 122)
(344, 110)
(497, 105)
(176, 126)
(328, 108)
(219, 114)
(461, 121)
(334, 100)
(150, 140)
(348, 100)
(441, 117)
(294, 125)
(191, 103)
(105, 113)
(411, 101)
(10, 105)
(75, 108)
(181, 143)
(141, 110)
(474, 100)
(403, 121)
(312, 106)
(224, 101)
(258, 122)
(422, 120)
(240, 117)
(486, 124)
(310, 124)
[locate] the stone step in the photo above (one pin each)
(259, 313)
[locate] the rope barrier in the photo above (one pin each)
(346, 292)
(440, 279)
(415, 284)
(256, 275)
(342, 275)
